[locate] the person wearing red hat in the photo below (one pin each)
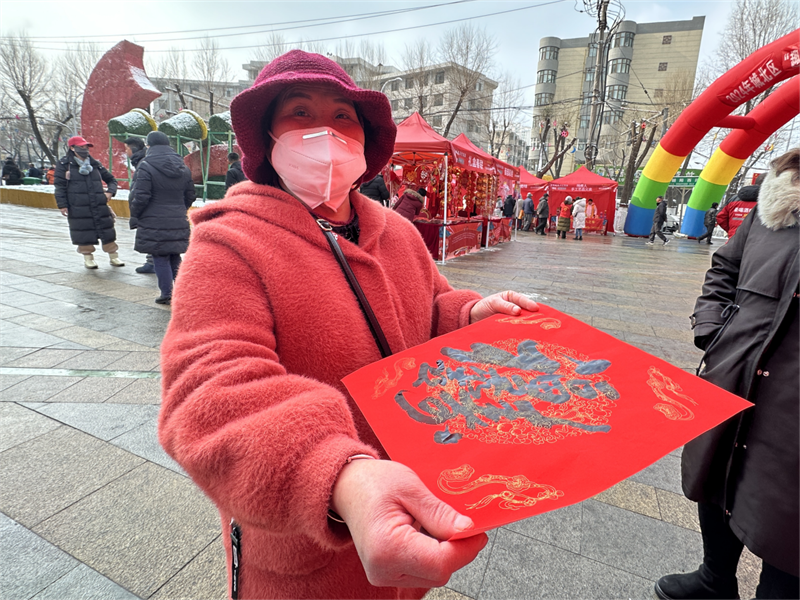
(80, 195)
(265, 325)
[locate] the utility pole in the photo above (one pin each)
(599, 74)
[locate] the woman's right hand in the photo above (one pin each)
(65, 211)
(384, 505)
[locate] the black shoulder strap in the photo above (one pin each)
(374, 326)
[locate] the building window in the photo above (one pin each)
(584, 124)
(437, 121)
(619, 65)
(542, 99)
(610, 117)
(409, 83)
(424, 101)
(622, 40)
(666, 40)
(395, 86)
(439, 77)
(479, 86)
(546, 76)
(395, 104)
(592, 50)
(408, 103)
(471, 127)
(548, 53)
(474, 104)
(658, 93)
(662, 66)
(586, 98)
(438, 100)
(589, 75)
(617, 92)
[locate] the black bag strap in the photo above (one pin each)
(372, 321)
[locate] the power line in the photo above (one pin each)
(354, 35)
(271, 27)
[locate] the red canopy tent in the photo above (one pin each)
(417, 141)
(587, 185)
(530, 183)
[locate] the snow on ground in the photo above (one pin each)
(51, 189)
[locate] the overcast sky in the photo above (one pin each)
(517, 32)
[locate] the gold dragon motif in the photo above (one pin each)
(670, 407)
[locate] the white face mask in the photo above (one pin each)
(318, 165)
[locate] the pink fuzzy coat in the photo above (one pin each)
(264, 326)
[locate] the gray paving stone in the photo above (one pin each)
(444, 593)
(524, 568)
(48, 473)
(160, 522)
(9, 312)
(136, 361)
(469, 579)
(6, 381)
(20, 336)
(104, 421)
(43, 359)
(637, 544)
(87, 582)
(93, 359)
(20, 299)
(29, 563)
(141, 391)
(561, 528)
(9, 353)
(92, 389)
(204, 578)
(20, 424)
(664, 474)
(143, 441)
(37, 388)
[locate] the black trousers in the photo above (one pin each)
(722, 550)
(655, 230)
(707, 235)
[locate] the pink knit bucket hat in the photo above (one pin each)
(249, 107)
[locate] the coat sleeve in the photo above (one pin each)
(143, 192)
(382, 190)
(60, 181)
(723, 217)
(230, 179)
(190, 193)
(264, 444)
(719, 288)
(111, 181)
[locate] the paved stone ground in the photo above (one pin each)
(91, 507)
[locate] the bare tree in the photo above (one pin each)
(505, 113)
(417, 59)
(70, 74)
(374, 54)
(24, 75)
(751, 25)
(469, 49)
(211, 68)
(275, 44)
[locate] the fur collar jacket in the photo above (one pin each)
(264, 327)
(779, 201)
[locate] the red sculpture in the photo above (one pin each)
(218, 164)
(117, 84)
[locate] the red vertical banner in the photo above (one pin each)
(516, 416)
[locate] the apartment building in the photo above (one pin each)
(195, 93)
(649, 67)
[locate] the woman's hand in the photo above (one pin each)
(384, 505)
(108, 195)
(506, 303)
(65, 211)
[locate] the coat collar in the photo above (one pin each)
(279, 208)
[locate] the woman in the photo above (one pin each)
(579, 215)
(411, 203)
(564, 218)
(264, 327)
(11, 172)
(744, 473)
(79, 194)
(591, 209)
(162, 194)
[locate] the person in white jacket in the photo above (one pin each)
(579, 217)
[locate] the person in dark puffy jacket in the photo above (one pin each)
(34, 171)
(163, 193)
(659, 217)
(376, 189)
(734, 212)
(710, 221)
(79, 194)
(234, 173)
(411, 203)
(135, 151)
(11, 173)
(508, 206)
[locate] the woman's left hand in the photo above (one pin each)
(506, 303)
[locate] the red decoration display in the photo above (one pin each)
(516, 416)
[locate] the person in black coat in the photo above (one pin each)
(234, 174)
(508, 206)
(659, 218)
(710, 221)
(11, 173)
(376, 189)
(744, 472)
(34, 172)
(543, 213)
(79, 194)
(163, 192)
(135, 151)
